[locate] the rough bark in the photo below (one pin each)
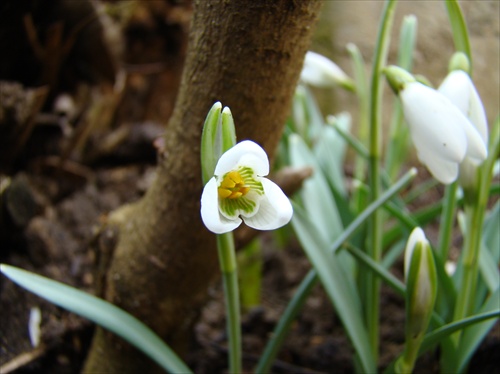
(248, 55)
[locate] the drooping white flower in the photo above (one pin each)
(320, 71)
(239, 191)
(442, 135)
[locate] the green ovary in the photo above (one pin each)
(238, 192)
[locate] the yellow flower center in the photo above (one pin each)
(232, 186)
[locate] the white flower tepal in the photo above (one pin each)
(239, 191)
(460, 90)
(320, 71)
(416, 236)
(442, 135)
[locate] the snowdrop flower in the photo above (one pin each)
(239, 189)
(442, 135)
(320, 71)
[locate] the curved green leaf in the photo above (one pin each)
(102, 313)
(337, 286)
(459, 28)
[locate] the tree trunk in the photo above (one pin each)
(248, 55)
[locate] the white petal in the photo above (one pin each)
(436, 125)
(476, 147)
(210, 214)
(275, 209)
(245, 153)
(456, 87)
(320, 71)
(460, 90)
(416, 236)
(477, 115)
(443, 170)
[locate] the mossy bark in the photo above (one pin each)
(248, 55)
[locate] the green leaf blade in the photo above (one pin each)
(337, 286)
(100, 312)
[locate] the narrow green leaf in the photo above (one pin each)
(475, 334)
(489, 268)
(447, 293)
(330, 152)
(491, 234)
(337, 286)
(102, 313)
(307, 119)
(314, 117)
(362, 92)
(284, 324)
(438, 335)
(382, 272)
(315, 194)
(348, 137)
(459, 28)
(407, 41)
(434, 337)
(396, 155)
(250, 264)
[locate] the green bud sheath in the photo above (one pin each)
(421, 293)
(459, 61)
(398, 78)
(211, 142)
(217, 137)
(228, 130)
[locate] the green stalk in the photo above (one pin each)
(311, 278)
(227, 260)
(475, 207)
(459, 29)
(358, 201)
(250, 279)
(399, 133)
(447, 218)
(363, 97)
(370, 284)
(474, 216)
(445, 233)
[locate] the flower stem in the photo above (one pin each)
(447, 218)
(227, 260)
(369, 282)
(475, 207)
(472, 245)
